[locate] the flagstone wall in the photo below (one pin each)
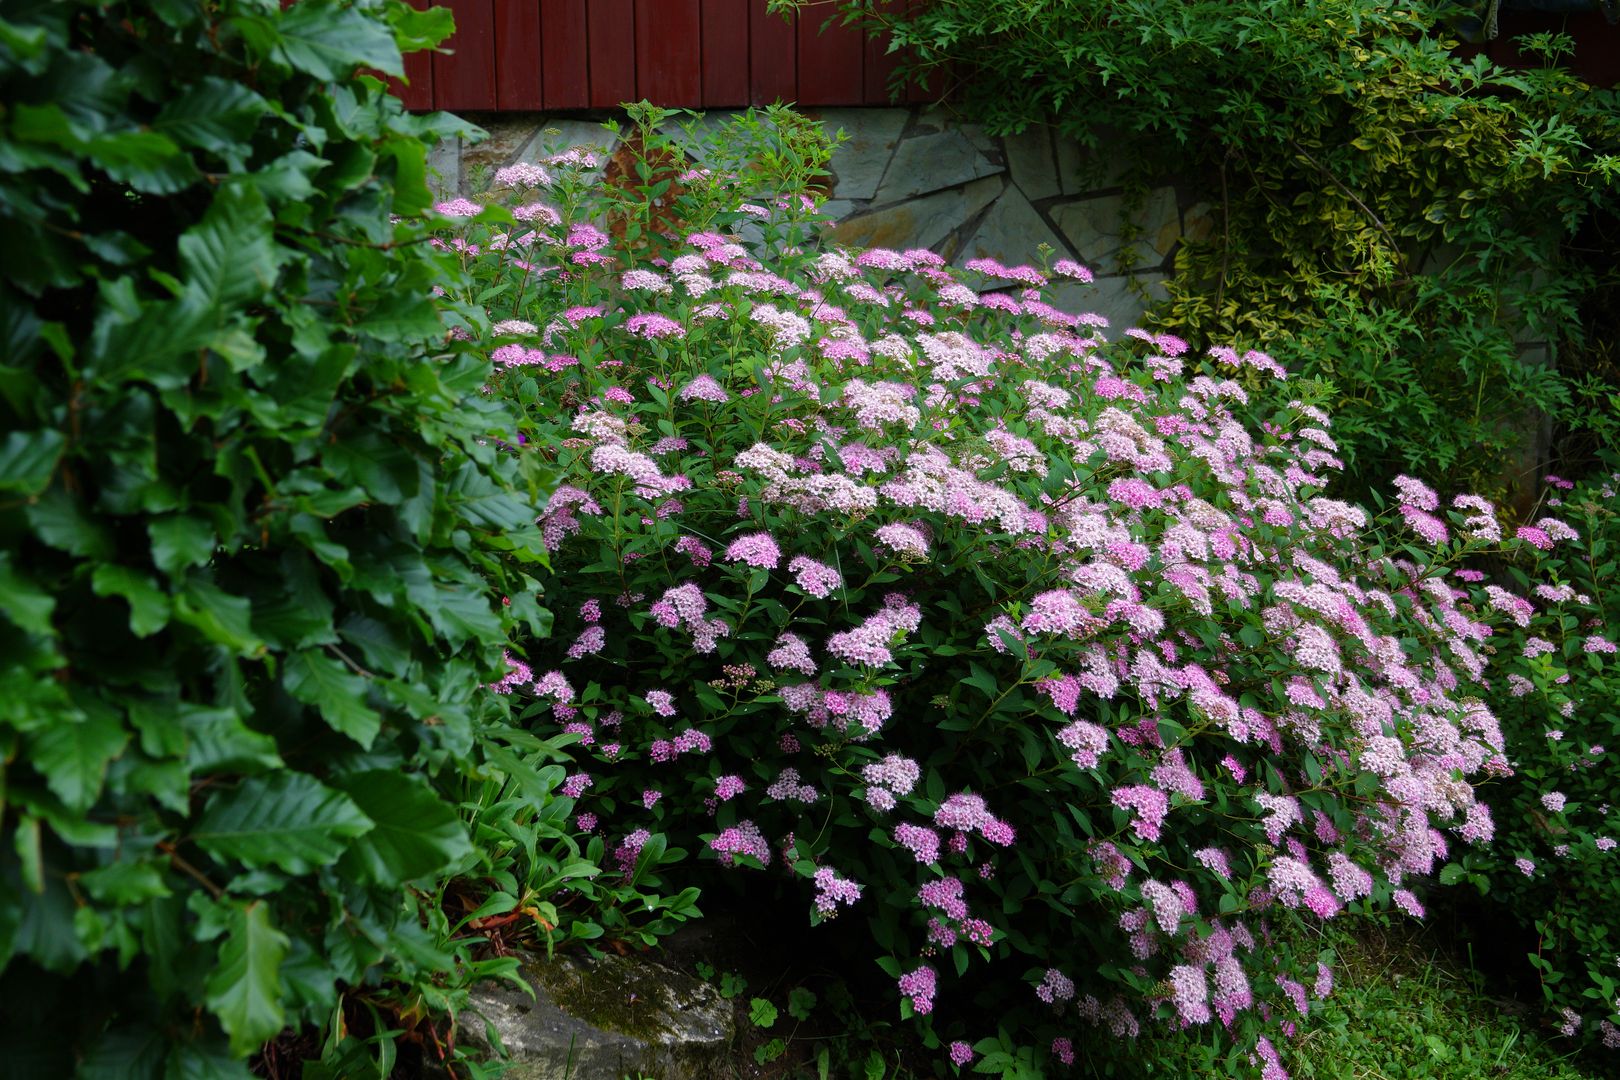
(915, 177)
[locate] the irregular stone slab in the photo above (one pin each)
(1200, 222)
(560, 135)
(1010, 233)
(929, 163)
(919, 223)
(604, 1020)
(1032, 162)
(838, 209)
(508, 135)
(1081, 171)
(444, 168)
(1114, 298)
(1094, 227)
(859, 164)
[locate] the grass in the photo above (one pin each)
(1403, 1008)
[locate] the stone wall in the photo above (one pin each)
(918, 178)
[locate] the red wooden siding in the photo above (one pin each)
(669, 50)
(517, 55)
(564, 67)
(557, 55)
(832, 60)
(773, 56)
(725, 50)
(611, 27)
(465, 79)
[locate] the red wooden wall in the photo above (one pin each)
(528, 55)
(520, 55)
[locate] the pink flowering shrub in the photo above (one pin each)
(1554, 867)
(1032, 645)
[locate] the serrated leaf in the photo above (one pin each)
(28, 458)
(59, 520)
(320, 680)
(288, 820)
(125, 882)
(761, 1013)
(244, 990)
(180, 541)
(215, 114)
(329, 43)
(230, 256)
(73, 756)
(220, 617)
(23, 602)
(148, 605)
(417, 833)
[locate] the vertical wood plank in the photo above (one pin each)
(517, 55)
(725, 53)
(669, 52)
(830, 59)
(878, 67)
(564, 69)
(466, 79)
(773, 73)
(612, 47)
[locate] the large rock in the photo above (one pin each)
(1011, 233)
(559, 135)
(1033, 165)
(1096, 228)
(918, 223)
(925, 163)
(506, 136)
(604, 1020)
(861, 162)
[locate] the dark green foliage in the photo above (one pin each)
(260, 544)
(1385, 215)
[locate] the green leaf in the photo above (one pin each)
(329, 43)
(230, 256)
(125, 882)
(244, 990)
(217, 739)
(59, 520)
(73, 756)
(215, 114)
(222, 618)
(800, 1002)
(317, 679)
(400, 317)
(289, 820)
(28, 459)
(180, 541)
(761, 1013)
(148, 605)
(23, 602)
(417, 833)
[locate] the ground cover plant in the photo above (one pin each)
(259, 553)
(1381, 211)
(1041, 655)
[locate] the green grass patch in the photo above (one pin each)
(1404, 1008)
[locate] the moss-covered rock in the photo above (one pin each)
(602, 1020)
